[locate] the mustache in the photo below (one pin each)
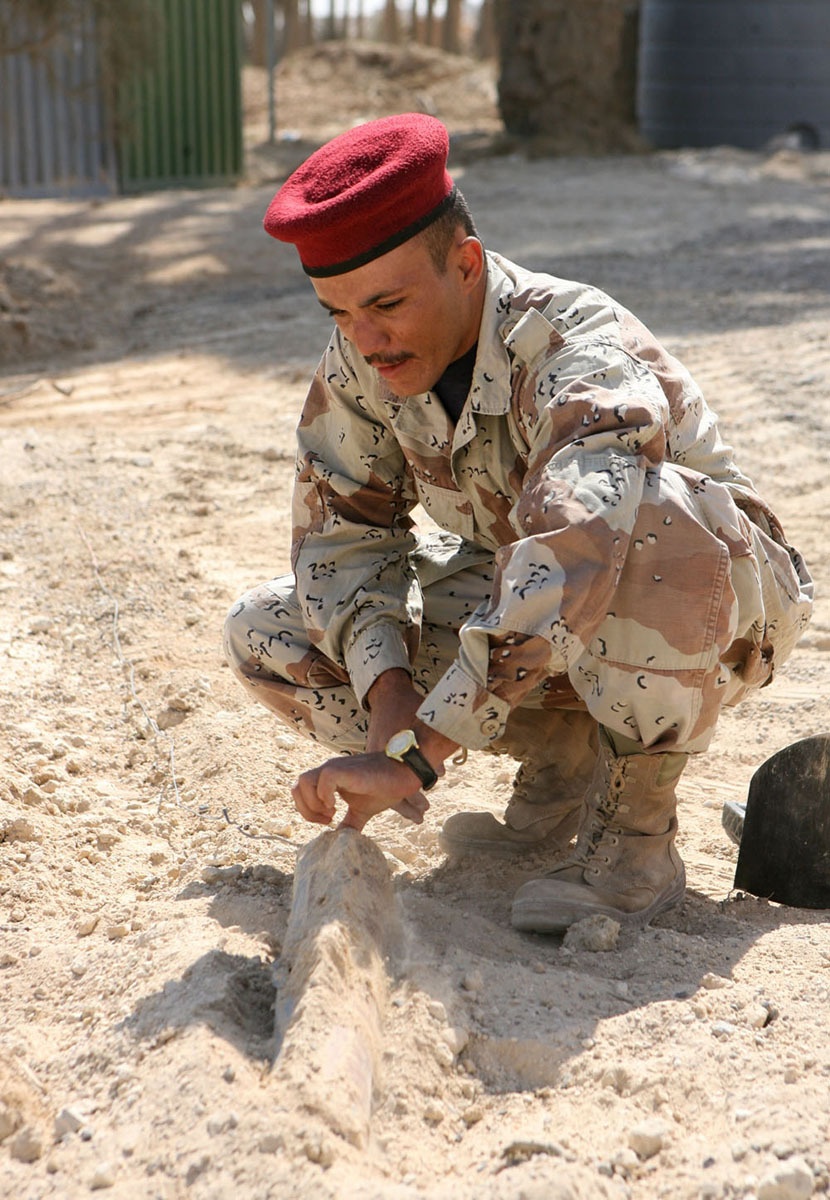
(387, 360)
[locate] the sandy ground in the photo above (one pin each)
(155, 351)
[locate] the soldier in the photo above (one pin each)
(598, 578)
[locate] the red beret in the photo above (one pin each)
(364, 193)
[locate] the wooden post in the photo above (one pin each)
(331, 980)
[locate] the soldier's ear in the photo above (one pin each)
(470, 261)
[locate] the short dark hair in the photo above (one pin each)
(440, 235)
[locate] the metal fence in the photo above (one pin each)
(181, 122)
(176, 123)
(54, 138)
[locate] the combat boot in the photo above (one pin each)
(624, 864)
(556, 751)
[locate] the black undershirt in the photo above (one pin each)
(453, 387)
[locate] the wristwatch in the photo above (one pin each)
(403, 747)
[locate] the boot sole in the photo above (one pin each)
(544, 916)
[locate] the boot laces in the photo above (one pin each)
(523, 782)
(604, 831)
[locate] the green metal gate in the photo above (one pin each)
(180, 123)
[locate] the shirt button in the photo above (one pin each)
(491, 727)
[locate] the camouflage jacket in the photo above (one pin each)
(572, 401)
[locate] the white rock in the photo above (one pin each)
(456, 1038)
(713, 982)
(222, 1123)
(103, 1176)
(598, 933)
(68, 1120)
(790, 1180)
(648, 1139)
(757, 1016)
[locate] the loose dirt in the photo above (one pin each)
(155, 354)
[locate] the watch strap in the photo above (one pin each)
(418, 763)
(422, 767)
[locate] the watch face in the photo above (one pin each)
(399, 743)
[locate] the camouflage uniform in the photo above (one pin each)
(602, 549)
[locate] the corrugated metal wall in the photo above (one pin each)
(181, 123)
(177, 124)
(53, 130)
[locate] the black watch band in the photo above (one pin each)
(403, 748)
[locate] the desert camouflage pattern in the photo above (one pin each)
(625, 563)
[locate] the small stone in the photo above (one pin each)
(713, 982)
(597, 934)
(472, 1115)
(222, 1123)
(443, 1055)
(103, 1176)
(229, 1074)
(21, 829)
(271, 1143)
(434, 1113)
(27, 1145)
(473, 981)
(437, 1010)
(790, 1180)
(757, 1016)
(221, 874)
(625, 1159)
(68, 1120)
(723, 1030)
(118, 931)
(319, 1151)
(648, 1139)
(78, 967)
(197, 1168)
(86, 925)
(456, 1038)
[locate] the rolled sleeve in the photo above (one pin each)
(463, 710)
(375, 650)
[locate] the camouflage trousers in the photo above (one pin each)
(643, 692)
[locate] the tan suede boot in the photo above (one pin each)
(557, 751)
(624, 864)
